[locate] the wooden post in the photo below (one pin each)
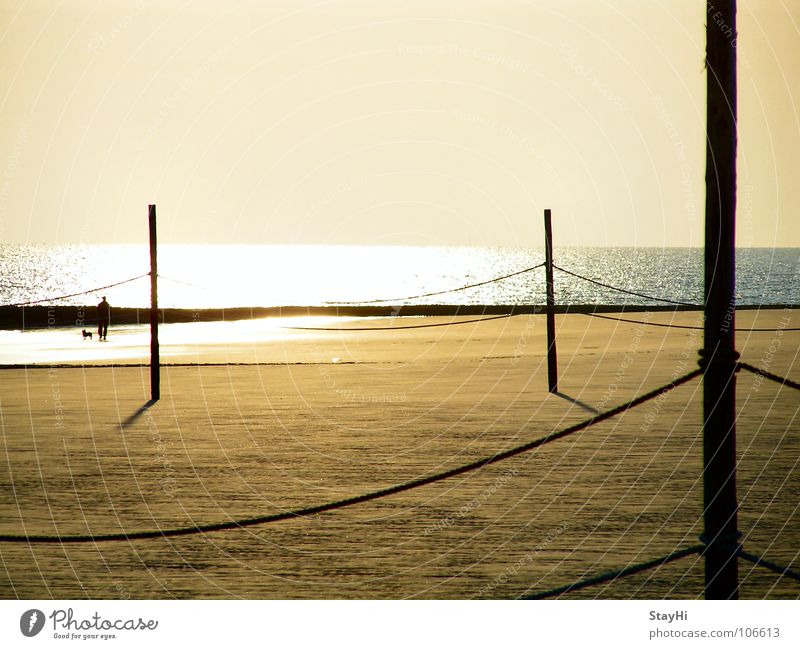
(155, 362)
(552, 358)
(719, 356)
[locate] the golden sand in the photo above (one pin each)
(331, 414)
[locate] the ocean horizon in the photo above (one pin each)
(198, 276)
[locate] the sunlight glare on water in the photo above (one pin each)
(132, 342)
(226, 276)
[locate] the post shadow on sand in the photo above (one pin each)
(577, 402)
(142, 409)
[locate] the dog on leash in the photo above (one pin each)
(86, 334)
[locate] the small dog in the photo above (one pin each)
(86, 334)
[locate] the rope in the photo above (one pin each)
(62, 297)
(450, 290)
(437, 324)
(675, 326)
(775, 330)
(643, 322)
(178, 281)
(347, 502)
(616, 574)
(622, 290)
(764, 563)
(768, 375)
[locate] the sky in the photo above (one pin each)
(436, 122)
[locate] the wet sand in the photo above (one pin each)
(288, 417)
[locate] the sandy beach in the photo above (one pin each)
(262, 416)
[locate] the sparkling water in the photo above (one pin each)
(207, 276)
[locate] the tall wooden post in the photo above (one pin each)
(719, 354)
(552, 358)
(155, 361)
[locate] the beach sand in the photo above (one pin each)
(257, 418)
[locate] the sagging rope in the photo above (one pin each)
(769, 375)
(347, 502)
(675, 326)
(617, 574)
(422, 326)
(179, 281)
(450, 290)
(91, 290)
(643, 322)
(622, 290)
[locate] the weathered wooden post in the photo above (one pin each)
(719, 354)
(155, 361)
(552, 358)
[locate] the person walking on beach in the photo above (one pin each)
(103, 316)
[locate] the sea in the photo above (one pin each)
(223, 276)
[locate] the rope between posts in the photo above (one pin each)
(769, 375)
(622, 290)
(450, 290)
(616, 574)
(179, 281)
(769, 565)
(422, 326)
(91, 290)
(644, 322)
(676, 326)
(346, 502)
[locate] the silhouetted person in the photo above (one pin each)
(103, 316)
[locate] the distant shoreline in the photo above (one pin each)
(39, 317)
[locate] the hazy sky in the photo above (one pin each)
(416, 122)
